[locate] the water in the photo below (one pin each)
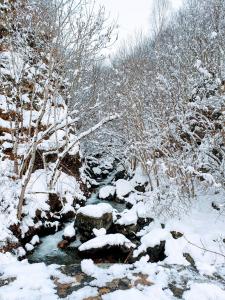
(49, 253)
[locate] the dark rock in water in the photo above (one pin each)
(63, 244)
(93, 216)
(157, 253)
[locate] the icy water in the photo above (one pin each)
(49, 253)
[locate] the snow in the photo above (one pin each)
(96, 210)
(116, 239)
(107, 191)
(151, 239)
(69, 231)
(128, 217)
(86, 292)
(35, 240)
(97, 171)
(204, 291)
(32, 281)
(131, 294)
(29, 247)
(99, 232)
(123, 188)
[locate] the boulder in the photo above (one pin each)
(107, 192)
(157, 253)
(93, 216)
(112, 246)
(120, 173)
(123, 188)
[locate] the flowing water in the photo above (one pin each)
(49, 253)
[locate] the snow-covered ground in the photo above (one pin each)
(201, 236)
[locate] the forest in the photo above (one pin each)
(112, 168)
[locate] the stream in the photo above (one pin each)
(49, 253)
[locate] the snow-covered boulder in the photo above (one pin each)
(97, 171)
(120, 172)
(153, 243)
(93, 216)
(123, 188)
(106, 245)
(107, 192)
(69, 233)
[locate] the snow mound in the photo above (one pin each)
(95, 210)
(99, 232)
(128, 217)
(204, 291)
(132, 294)
(151, 239)
(107, 191)
(117, 239)
(97, 171)
(69, 231)
(123, 188)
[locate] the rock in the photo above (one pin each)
(176, 235)
(55, 203)
(140, 187)
(190, 259)
(63, 244)
(120, 173)
(215, 206)
(157, 253)
(69, 233)
(177, 291)
(128, 230)
(123, 188)
(144, 222)
(119, 284)
(142, 280)
(110, 247)
(107, 192)
(93, 216)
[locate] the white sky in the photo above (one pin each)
(132, 15)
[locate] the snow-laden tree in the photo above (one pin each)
(39, 142)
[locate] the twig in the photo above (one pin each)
(203, 248)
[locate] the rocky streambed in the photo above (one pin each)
(103, 251)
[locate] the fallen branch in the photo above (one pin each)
(203, 248)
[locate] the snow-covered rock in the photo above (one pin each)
(35, 240)
(107, 241)
(96, 210)
(93, 216)
(97, 171)
(123, 188)
(107, 192)
(29, 247)
(69, 232)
